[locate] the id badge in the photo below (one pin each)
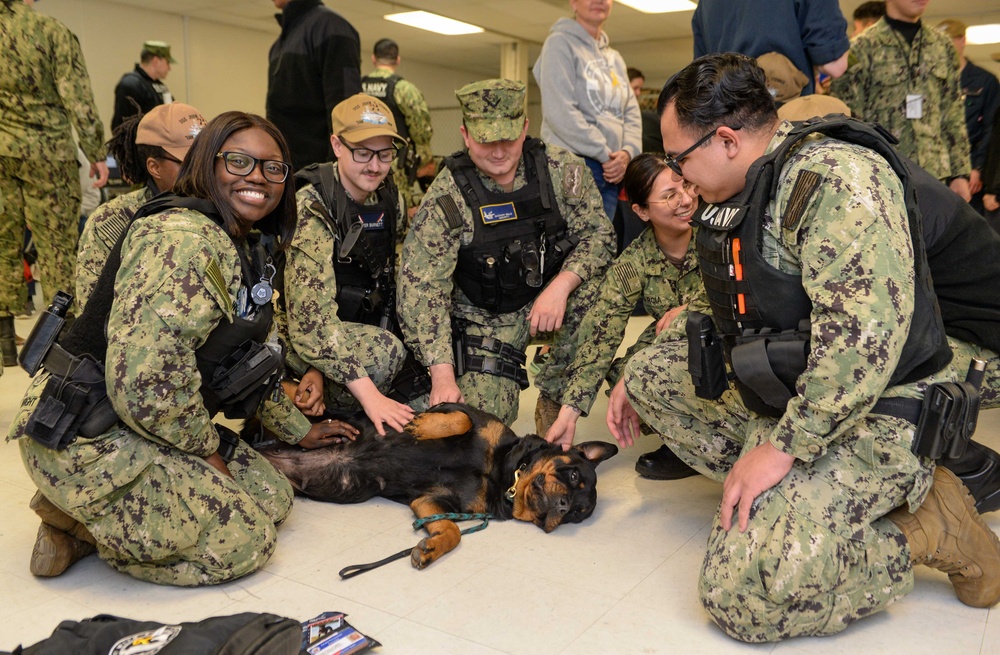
(914, 106)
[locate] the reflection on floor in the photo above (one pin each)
(622, 582)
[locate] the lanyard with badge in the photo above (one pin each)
(914, 101)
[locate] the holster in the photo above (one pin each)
(412, 381)
(508, 363)
(706, 362)
(244, 377)
(947, 421)
(73, 403)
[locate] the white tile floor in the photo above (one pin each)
(622, 582)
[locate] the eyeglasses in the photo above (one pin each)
(674, 163)
(673, 199)
(364, 155)
(166, 156)
(242, 164)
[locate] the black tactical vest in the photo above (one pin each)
(384, 88)
(521, 238)
(366, 272)
(761, 312)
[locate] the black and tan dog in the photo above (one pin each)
(452, 458)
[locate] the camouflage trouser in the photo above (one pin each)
(817, 554)
(381, 353)
(501, 396)
(162, 515)
(45, 196)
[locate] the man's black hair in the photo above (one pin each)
(386, 50)
(720, 89)
(870, 10)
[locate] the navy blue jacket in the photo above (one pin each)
(808, 32)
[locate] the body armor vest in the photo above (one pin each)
(364, 253)
(384, 88)
(521, 238)
(762, 313)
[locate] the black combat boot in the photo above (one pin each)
(8, 341)
(979, 470)
(663, 464)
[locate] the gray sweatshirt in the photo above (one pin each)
(587, 104)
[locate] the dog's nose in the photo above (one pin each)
(562, 506)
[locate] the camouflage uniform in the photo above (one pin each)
(158, 511)
(44, 89)
(883, 70)
(818, 553)
(640, 272)
(100, 233)
(411, 103)
(342, 351)
(429, 298)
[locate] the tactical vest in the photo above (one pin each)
(763, 313)
(521, 238)
(364, 253)
(384, 88)
(88, 335)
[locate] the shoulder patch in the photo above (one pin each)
(110, 231)
(628, 278)
(573, 180)
(451, 211)
(806, 184)
(218, 283)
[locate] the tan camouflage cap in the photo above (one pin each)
(173, 127)
(493, 109)
(814, 106)
(784, 80)
(953, 28)
(158, 49)
(362, 117)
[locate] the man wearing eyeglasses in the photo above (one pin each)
(825, 508)
(340, 275)
(508, 243)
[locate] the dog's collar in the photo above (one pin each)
(509, 494)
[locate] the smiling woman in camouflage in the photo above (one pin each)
(160, 494)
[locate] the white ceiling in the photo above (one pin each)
(659, 44)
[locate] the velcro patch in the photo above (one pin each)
(218, 283)
(373, 221)
(498, 213)
(806, 185)
(572, 181)
(628, 278)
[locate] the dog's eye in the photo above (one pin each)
(574, 477)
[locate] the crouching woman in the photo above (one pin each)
(159, 494)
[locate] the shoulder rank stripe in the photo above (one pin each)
(451, 211)
(110, 231)
(805, 186)
(628, 278)
(214, 275)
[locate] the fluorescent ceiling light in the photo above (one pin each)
(659, 6)
(980, 34)
(433, 23)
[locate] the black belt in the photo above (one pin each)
(907, 409)
(497, 366)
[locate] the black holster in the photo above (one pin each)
(706, 361)
(74, 401)
(508, 361)
(947, 421)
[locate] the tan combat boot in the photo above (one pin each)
(61, 542)
(55, 551)
(546, 413)
(52, 515)
(948, 534)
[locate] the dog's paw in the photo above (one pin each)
(423, 554)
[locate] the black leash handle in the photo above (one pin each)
(358, 569)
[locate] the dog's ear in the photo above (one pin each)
(597, 451)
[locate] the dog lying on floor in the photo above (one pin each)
(452, 458)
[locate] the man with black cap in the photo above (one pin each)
(144, 85)
(509, 242)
